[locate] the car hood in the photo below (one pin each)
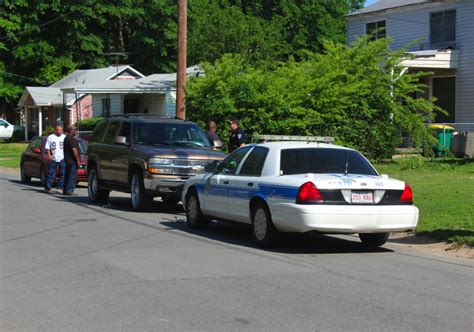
(344, 181)
(180, 152)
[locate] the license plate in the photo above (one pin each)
(362, 197)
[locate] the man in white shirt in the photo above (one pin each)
(55, 148)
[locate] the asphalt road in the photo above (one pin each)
(69, 265)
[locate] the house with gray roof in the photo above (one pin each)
(153, 94)
(46, 106)
(446, 30)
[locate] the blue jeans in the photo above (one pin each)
(70, 179)
(52, 174)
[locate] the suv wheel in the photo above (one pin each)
(141, 201)
(24, 176)
(96, 194)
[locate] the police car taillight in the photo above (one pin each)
(309, 193)
(407, 195)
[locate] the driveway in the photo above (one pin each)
(69, 265)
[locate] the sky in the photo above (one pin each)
(370, 2)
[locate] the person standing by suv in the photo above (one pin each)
(72, 159)
(55, 149)
(237, 137)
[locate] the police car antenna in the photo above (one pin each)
(347, 162)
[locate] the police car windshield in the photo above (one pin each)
(185, 134)
(324, 160)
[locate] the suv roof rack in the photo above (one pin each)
(145, 115)
(276, 138)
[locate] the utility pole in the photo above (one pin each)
(181, 79)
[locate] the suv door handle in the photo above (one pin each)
(250, 184)
(225, 182)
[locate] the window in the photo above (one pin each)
(442, 27)
(98, 133)
(231, 163)
(324, 160)
(169, 133)
(376, 29)
(3, 123)
(82, 147)
(112, 132)
(253, 165)
(36, 143)
(105, 107)
(125, 131)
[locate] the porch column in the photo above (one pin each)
(26, 122)
(40, 121)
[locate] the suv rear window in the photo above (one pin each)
(170, 134)
(324, 160)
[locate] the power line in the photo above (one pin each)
(41, 25)
(28, 78)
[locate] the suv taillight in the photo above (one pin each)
(309, 193)
(407, 195)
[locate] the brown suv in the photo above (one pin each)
(146, 156)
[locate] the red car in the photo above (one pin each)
(34, 161)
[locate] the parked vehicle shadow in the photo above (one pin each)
(122, 203)
(310, 243)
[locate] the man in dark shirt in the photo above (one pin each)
(211, 133)
(237, 137)
(71, 156)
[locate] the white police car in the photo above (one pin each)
(301, 187)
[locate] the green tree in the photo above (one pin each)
(360, 95)
(264, 29)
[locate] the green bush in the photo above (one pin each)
(359, 94)
(88, 124)
(48, 131)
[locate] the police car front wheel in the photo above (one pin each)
(194, 216)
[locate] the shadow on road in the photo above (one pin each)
(310, 243)
(123, 204)
(229, 233)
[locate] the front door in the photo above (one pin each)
(444, 89)
(109, 151)
(217, 187)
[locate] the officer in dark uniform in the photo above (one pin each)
(237, 137)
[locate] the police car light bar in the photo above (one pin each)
(273, 138)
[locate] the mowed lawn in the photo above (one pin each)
(10, 154)
(444, 192)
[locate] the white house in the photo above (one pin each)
(446, 28)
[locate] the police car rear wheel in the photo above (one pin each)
(264, 232)
(194, 216)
